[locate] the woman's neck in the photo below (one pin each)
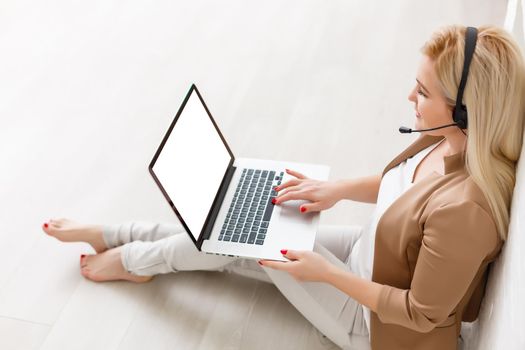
(454, 143)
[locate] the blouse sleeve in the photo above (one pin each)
(456, 239)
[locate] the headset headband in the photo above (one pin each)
(460, 111)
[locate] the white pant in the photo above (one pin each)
(150, 249)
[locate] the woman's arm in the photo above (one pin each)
(363, 189)
(365, 292)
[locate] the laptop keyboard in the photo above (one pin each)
(251, 208)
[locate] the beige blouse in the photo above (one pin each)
(432, 249)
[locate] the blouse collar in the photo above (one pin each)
(453, 162)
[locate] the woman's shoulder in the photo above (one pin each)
(463, 205)
(464, 191)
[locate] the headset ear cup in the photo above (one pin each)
(460, 116)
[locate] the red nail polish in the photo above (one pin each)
(274, 200)
(259, 261)
(284, 251)
(287, 169)
(83, 255)
(303, 209)
(276, 188)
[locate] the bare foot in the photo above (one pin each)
(69, 231)
(107, 266)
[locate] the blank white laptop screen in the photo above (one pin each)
(192, 164)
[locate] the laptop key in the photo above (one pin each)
(269, 209)
(259, 242)
(235, 238)
(265, 224)
(243, 239)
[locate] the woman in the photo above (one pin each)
(409, 278)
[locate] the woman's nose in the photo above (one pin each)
(412, 95)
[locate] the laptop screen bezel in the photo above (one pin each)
(206, 228)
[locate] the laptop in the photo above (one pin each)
(225, 203)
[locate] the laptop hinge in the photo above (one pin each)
(212, 215)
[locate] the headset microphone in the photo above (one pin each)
(459, 113)
(406, 130)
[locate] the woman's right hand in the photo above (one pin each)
(321, 194)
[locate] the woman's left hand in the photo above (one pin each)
(305, 265)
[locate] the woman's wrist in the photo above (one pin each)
(332, 274)
(344, 188)
(364, 189)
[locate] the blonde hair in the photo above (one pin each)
(493, 95)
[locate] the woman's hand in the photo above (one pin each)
(321, 194)
(305, 265)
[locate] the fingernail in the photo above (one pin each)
(274, 200)
(259, 261)
(303, 209)
(83, 255)
(276, 188)
(284, 251)
(46, 225)
(287, 169)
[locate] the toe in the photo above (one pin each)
(83, 261)
(48, 228)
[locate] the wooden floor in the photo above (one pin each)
(87, 91)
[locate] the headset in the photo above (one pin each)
(459, 113)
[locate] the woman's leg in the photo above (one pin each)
(150, 249)
(331, 311)
(117, 235)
